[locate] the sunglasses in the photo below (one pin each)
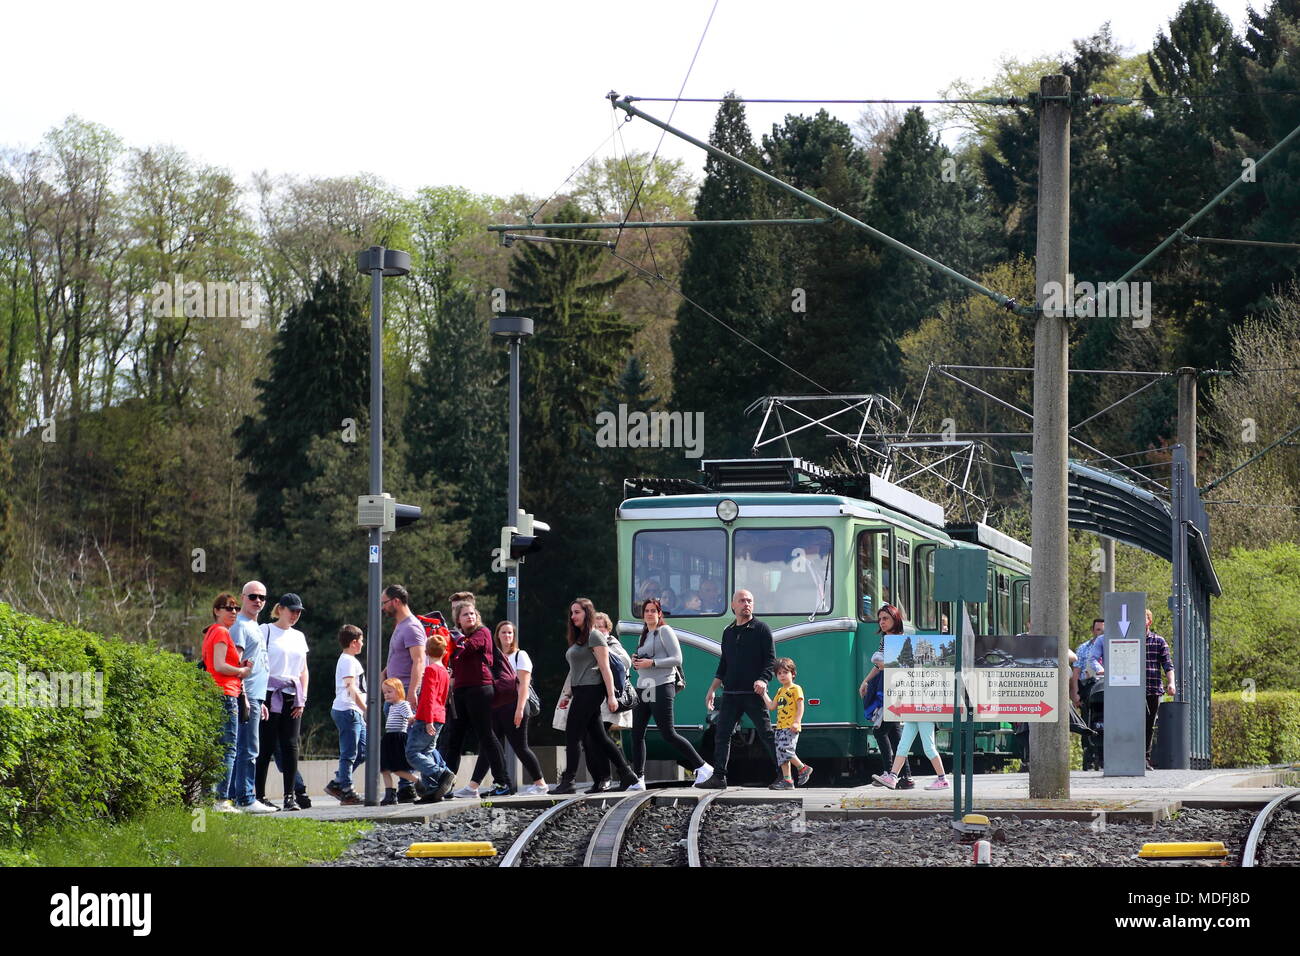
(255, 597)
(228, 607)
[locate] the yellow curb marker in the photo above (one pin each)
(451, 849)
(1164, 850)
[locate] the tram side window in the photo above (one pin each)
(904, 590)
(686, 570)
(991, 621)
(927, 611)
(788, 570)
(1004, 605)
(875, 561)
(1021, 589)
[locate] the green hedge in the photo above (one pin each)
(1248, 733)
(154, 745)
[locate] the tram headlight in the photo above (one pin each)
(727, 510)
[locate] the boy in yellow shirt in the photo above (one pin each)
(788, 704)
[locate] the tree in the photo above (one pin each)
(905, 656)
(319, 376)
(735, 275)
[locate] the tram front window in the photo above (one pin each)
(686, 570)
(787, 569)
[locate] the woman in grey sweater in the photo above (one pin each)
(657, 659)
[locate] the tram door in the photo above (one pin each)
(1020, 604)
(875, 571)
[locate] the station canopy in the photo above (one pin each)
(1106, 504)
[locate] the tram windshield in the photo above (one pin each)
(787, 569)
(686, 570)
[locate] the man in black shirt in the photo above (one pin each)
(746, 666)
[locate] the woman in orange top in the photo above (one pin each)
(221, 659)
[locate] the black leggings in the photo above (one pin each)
(584, 720)
(279, 731)
(888, 736)
(474, 709)
(661, 708)
(503, 728)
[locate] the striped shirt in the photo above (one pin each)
(1158, 661)
(398, 715)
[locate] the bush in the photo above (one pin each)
(153, 745)
(1246, 733)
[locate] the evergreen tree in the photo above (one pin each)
(319, 375)
(905, 656)
(735, 274)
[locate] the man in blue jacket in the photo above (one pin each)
(745, 668)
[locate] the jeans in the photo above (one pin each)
(585, 725)
(503, 726)
(247, 741)
(352, 743)
(229, 734)
(729, 714)
(474, 709)
(911, 730)
(280, 734)
(422, 751)
(887, 737)
(660, 707)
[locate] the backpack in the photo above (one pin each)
(625, 695)
(505, 682)
(434, 624)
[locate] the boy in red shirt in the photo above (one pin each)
(436, 780)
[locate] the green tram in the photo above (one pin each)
(819, 564)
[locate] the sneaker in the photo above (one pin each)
(805, 774)
(467, 792)
(782, 784)
(906, 783)
(939, 783)
(703, 774)
(225, 806)
(334, 789)
(535, 790)
(406, 796)
(390, 798)
(291, 803)
(445, 783)
(433, 796)
(350, 799)
(267, 802)
(564, 786)
(886, 779)
(637, 784)
(715, 782)
(259, 807)
(501, 790)
(303, 801)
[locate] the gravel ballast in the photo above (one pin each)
(563, 840)
(657, 837)
(758, 835)
(386, 843)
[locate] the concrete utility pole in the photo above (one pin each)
(1049, 744)
(1107, 575)
(1187, 418)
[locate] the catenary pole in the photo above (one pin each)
(1049, 769)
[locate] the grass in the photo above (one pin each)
(181, 837)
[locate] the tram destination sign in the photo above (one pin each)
(1012, 678)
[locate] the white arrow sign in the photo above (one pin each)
(1123, 620)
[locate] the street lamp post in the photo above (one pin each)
(514, 329)
(377, 262)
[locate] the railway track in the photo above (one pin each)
(1274, 838)
(593, 826)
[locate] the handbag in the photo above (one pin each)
(534, 705)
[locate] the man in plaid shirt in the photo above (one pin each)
(1160, 668)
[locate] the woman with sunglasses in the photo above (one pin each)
(287, 695)
(221, 660)
(657, 658)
